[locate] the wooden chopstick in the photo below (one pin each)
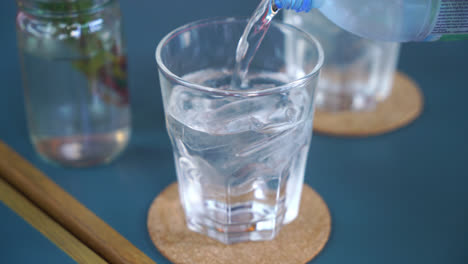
(67, 211)
(48, 227)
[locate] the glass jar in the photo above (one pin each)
(74, 71)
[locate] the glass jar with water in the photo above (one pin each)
(74, 70)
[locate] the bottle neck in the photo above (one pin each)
(298, 5)
(60, 7)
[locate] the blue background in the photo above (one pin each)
(395, 198)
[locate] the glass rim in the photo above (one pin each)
(251, 92)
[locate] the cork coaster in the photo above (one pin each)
(297, 242)
(402, 107)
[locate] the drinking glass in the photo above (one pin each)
(357, 74)
(240, 154)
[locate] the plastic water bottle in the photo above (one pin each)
(392, 20)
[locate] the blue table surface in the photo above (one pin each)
(395, 198)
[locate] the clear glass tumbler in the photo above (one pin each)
(357, 74)
(240, 155)
(74, 69)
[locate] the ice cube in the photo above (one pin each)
(217, 115)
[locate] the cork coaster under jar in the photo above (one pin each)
(401, 108)
(297, 242)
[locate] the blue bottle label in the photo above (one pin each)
(452, 21)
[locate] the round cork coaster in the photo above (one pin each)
(297, 242)
(402, 107)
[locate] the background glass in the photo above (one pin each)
(357, 74)
(240, 154)
(74, 69)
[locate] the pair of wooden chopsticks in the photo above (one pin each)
(61, 218)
